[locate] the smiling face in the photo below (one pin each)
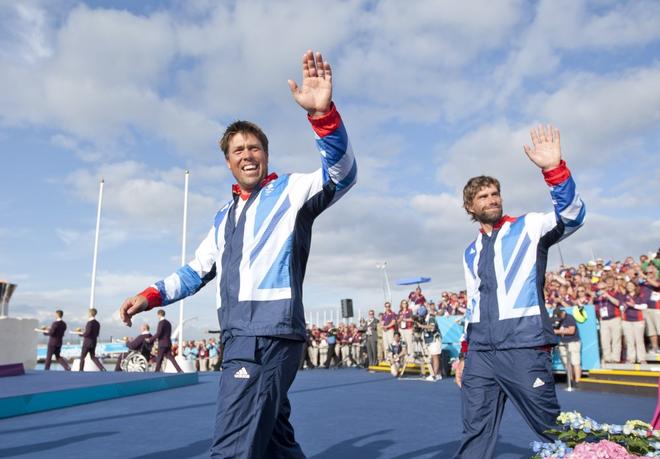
(248, 160)
(486, 206)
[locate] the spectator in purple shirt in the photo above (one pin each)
(649, 290)
(405, 321)
(389, 326)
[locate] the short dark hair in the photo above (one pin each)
(245, 127)
(59, 313)
(473, 186)
(161, 312)
(396, 333)
(93, 312)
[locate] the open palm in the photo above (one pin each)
(546, 150)
(315, 92)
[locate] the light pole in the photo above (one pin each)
(186, 178)
(387, 291)
(96, 244)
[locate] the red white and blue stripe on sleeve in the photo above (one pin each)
(338, 162)
(184, 282)
(181, 284)
(569, 207)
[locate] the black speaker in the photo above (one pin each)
(347, 308)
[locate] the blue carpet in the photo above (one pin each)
(336, 414)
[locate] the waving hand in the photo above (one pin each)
(546, 151)
(315, 92)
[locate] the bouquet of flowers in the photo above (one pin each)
(580, 437)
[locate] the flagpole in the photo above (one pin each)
(183, 256)
(96, 244)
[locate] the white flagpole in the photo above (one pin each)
(387, 283)
(96, 245)
(183, 256)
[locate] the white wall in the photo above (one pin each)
(18, 341)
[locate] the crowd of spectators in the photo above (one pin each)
(626, 297)
(205, 355)
(625, 294)
(409, 335)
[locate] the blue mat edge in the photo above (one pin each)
(44, 401)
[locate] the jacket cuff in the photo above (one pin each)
(464, 347)
(326, 123)
(558, 175)
(153, 297)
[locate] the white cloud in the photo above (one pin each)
(105, 76)
(134, 194)
(432, 93)
(28, 34)
(602, 115)
(564, 26)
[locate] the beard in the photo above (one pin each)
(489, 216)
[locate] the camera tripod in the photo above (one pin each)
(420, 352)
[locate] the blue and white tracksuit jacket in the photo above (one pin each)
(505, 272)
(259, 261)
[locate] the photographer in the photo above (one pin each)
(331, 339)
(565, 326)
(396, 355)
(433, 344)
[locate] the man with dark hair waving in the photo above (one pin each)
(505, 352)
(257, 248)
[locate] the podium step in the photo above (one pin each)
(633, 382)
(411, 368)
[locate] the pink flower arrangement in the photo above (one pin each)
(604, 449)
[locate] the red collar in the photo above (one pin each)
(236, 190)
(500, 223)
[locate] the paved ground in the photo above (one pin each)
(336, 414)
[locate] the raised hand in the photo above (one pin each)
(131, 306)
(315, 92)
(546, 151)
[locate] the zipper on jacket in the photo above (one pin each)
(489, 262)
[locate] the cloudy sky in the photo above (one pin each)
(431, 92)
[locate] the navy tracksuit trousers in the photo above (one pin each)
(492, 377)
(253, 409)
